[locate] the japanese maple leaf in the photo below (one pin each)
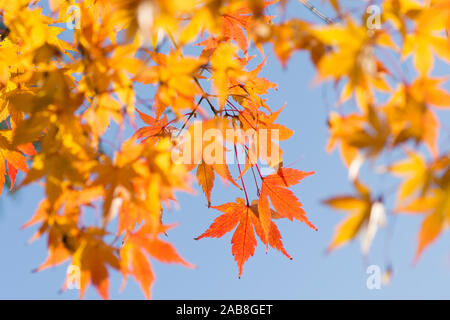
(367, 133)
(409, 116)
(247, 220)
(210, 45)
(155, 129)
(134, 256)
(417, 175)
(194, 153)
(233, 26)
(266, 138)
(68, 204)
(14, 158)
(286, 204)
(225, 68)
(436, 206)
(353, 59)
(61, 240)
(429, 91)
(364, 215)
(175, 75)
(341, 127)
(255, 85)
(425, 40)
(92, 258)
(205, 177)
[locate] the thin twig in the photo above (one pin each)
(314, 10)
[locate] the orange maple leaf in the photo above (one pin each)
(14, 158)
(436, 206)
(284, 201)
(243, 241)
(134, 259)
(155, 129)
(92, 258)
(233, 26)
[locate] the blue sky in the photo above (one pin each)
(311, 274)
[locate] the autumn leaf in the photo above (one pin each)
(155, 129)
(264, 136)
(340, 127)
(285, 203)
(175, 74)
(205, 177)
(233, 26)
(353, 59)
(416, 173)
(134, 254)
(92, 258)
(359, 134)
(248, 222)
(364, 215)
(195, 151)
(435, 205)
(418, 124)
(430, 92)
(12, 159)
(226, 67)
(425, 41)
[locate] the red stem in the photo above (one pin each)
(240, 174)
(256, 165)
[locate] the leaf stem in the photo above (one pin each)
(240, 174)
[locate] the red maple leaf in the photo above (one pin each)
(285, 203)
(244, 241)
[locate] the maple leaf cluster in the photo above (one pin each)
(66, 102)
